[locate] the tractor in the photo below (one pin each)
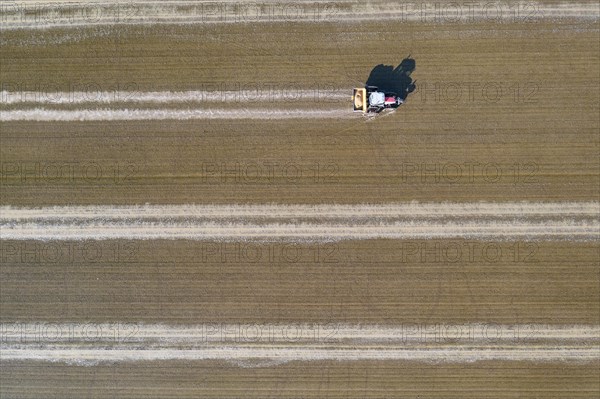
(370, 100)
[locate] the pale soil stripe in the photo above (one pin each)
(508, 221)
(28, 15)
(231, 211)
(285, 95)
(481, 334)
(82, 344)
(50, 115)
(509, 231)
(84, 356)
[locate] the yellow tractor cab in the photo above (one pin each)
(359, 99)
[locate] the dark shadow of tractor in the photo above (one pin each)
(386, 87)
